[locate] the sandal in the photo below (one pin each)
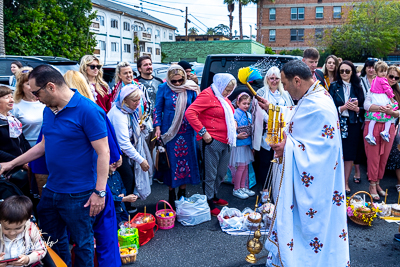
(398, 187)
(374, 196)
(357, 180)
(381, 193)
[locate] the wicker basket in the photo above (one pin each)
(128, 258)
(359, 220)
(165, 222)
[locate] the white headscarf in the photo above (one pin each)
(220, 81)
(181, 101)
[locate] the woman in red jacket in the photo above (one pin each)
(211, 116)
(92, 70)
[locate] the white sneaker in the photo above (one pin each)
(248, 192)
(370, 140)
(385, 136)
(240, 194)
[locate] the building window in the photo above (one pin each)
(158, 51)
(297, 13)
(165, 35)
(100, 19)
(272, 34)
(135, 28)
(319, 33)
(127, 48)
(170, 36)
(297, 35)
(114, 47)
(127, 26)
(319, 12)
(272, 14)
(102, 45)
(114, 23)
(337, 12)
(141, 48)
(157, 33)
(149, 50)
(149, 30)
(216, 39)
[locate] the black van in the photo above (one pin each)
(231, 63)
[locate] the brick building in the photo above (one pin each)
(298, 24)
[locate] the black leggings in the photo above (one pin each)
(127, 175)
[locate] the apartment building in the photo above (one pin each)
(117, 25)
(297, 24)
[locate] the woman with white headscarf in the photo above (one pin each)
(272, 92)
(172, 99)
(211, 116)
(125, 116)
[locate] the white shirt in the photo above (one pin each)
(124, 133)
(30, 114)
(346, 91)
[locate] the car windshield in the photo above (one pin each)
(64, 68)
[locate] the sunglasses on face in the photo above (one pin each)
(394, 77)
(36, 93)
(92, 67)
(177, 81)
(345, 71)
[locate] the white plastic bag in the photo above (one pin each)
(235, 220)
(192, 211)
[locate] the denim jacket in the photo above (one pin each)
(117, 187)
(243, 120)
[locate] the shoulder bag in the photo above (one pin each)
(162, 161)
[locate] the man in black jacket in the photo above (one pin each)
(311, 57)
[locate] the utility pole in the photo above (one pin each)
(186, 24)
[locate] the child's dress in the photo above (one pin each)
(380, 94)
(241, 155)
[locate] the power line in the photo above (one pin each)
(198, 26)
(131, 5)
(198, 20)
(162, 5)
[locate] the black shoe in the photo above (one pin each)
(132, 210)
(181, 193)
(172, 198)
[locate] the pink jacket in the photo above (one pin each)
(380, 85)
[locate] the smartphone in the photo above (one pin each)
(353, 99)
(9, 260)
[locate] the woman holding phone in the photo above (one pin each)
(348, 97)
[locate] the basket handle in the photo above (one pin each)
(359, 192)
(166, 202)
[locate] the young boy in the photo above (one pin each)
(118, 191)
(19, 237)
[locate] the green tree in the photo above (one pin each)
(49, 27)
(296, 52)
(193, 31)
(241, 4)
(210, 31)
(222, 29)
(268, 50)
(371, 29)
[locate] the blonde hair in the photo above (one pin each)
(22, 77)
(380, 65)
(232, 83)
(173, 72)
(273, 70)
(134, 94)
(75, 79)
(100, 83)
(123, 64)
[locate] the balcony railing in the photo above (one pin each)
(143, 36)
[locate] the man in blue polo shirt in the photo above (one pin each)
(77, 157)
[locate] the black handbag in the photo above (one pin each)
(20, 179)
(162, 161)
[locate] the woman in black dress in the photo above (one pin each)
(348, 96)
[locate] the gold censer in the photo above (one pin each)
(275, 127)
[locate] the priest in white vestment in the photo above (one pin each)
(309, 225)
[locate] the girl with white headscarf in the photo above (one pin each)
(125, 117)
(272, 92)
(172, 100)
(211, 116)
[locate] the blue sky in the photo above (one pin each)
(208, 13)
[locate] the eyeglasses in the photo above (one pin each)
(345, 71)
(273, 79)
(394, 77)
(92, 67)
(177, 81)
(36, 93)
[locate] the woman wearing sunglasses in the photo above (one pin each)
(348, 97)
(393, 162)
(172, 100)
(91, 68)
(274, 93)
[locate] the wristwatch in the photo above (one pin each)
(101, 193)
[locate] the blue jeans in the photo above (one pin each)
(57, 212)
